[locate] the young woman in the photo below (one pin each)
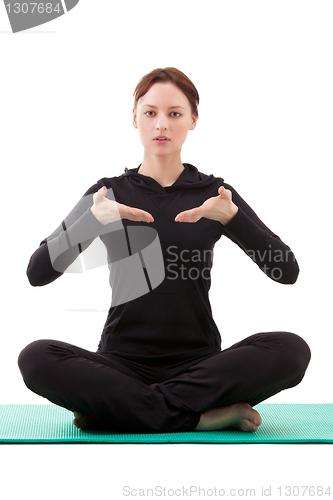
(159, 366)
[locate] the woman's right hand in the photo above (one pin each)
(107, 211)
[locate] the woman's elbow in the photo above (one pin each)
(37, 277)
(288, 275)
(292, 276)
(293, 271)
(33, 277)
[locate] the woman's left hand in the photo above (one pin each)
(220, 208)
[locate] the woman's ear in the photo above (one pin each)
(193, 122)
(135, 125)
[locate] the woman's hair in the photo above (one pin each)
(168, 75)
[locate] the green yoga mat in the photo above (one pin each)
(281, 423)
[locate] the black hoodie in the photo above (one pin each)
(167, 268)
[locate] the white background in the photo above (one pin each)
(264, 74)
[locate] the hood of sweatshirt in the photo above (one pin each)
(189, 178)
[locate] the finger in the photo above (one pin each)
(99, 195)
(189, 215)
(143, 215)
(182, 216)
(224, 193)
(136, 214)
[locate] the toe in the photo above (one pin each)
(257, 419)
(248, 426)
(84, 422)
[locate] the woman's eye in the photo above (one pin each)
(173, 113)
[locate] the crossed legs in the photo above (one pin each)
(214, 393)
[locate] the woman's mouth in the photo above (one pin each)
(161, 138)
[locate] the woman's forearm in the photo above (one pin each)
(265, 248)
(57, 252)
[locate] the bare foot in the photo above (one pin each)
(238, 416)
(83, 421)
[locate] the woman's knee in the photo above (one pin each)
(31, 360)
(296, 350)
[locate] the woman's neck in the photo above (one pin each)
(163, 169)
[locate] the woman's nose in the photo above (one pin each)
(161, 123)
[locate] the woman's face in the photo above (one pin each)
(163, 111)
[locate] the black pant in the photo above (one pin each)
(127, 396)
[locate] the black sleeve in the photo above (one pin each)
(264, 247)
(75, 233)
